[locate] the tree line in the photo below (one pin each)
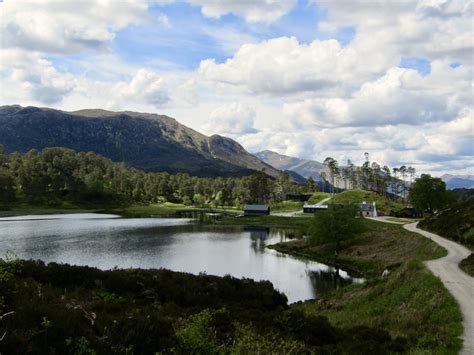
(57, 174)
(370, 176)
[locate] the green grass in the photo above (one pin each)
(300, 223)
(317, 197)
(410, 302)
(379, 246)
(358, 196)
(287, 206)
(467, 265)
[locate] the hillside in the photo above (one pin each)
(146, 141)
(305, 168)
(384, 205)
(455, 222)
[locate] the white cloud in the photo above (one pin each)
(400, 96)
(30, 78)
(52, 26)
(283, 65)
(266, 11)
(436, 29)
(146, 87)
(233, 119)
(164, 21)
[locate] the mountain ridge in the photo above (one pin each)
(147, 141)
(303, 167)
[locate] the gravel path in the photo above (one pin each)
(460, 284)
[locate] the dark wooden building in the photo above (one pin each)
(314, 208)
(256, 210)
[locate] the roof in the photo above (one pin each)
(256, 207)
(316, 206)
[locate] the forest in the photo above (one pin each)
(54, 175)
(57, 174)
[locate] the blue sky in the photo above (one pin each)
(306, 78)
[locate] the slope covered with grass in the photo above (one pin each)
(409, 302)
(358, 196)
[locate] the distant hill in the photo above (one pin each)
(458, 181)
(142, 140)
(305, 168)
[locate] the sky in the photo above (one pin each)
(304, 78)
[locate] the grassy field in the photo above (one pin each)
(358, 196)
(287, 206)
(410, 302)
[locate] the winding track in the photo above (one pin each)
(460, 284)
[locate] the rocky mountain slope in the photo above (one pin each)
(458, 181)
(147, 141)
(305, 168)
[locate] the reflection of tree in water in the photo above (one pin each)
(326, 281)
(258, 237)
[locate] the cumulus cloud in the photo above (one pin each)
(51, 26)
(266, 11)
(32, 78)
(233, 119)
(437, 29)
(145, 86)
(284, 66)
(400, 96)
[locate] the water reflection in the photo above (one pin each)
(176, 244)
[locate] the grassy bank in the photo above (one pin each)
(409, 302)
(300, 223)
(380, 246)
(455, 222)
(166, 209)
(61, 309)
(467, 265)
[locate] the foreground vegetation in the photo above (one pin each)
(408, 301)
(467, 265)
(80, 310)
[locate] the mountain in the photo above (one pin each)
(305, 168)
(142, 140)
(458, 181)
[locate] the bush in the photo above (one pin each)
(334, 225)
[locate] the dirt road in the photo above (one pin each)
(460, 284)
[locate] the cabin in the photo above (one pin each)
(314, 208)
(368, 209)
(256, 210)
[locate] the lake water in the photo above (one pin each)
(179, 244)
